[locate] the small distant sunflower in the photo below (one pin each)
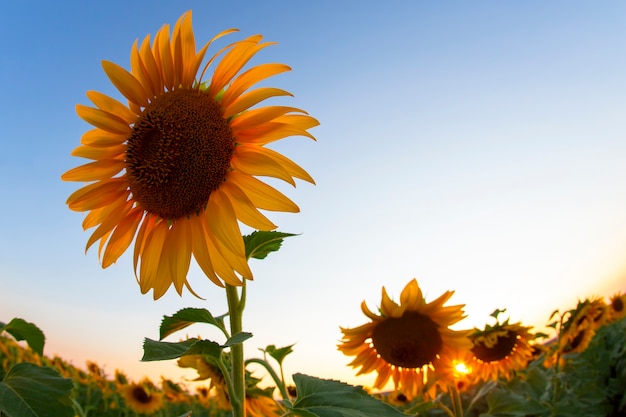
(580, 327)
(499, 350)
(176, 169)
(616, 306)
(410, 342)
(142, 399)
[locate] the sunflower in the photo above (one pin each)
(500, 350)
(581, 325)
(258, 402)
(410, 342)
(616, 306)
(142, 399)
(176, 168)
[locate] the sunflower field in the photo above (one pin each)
(579, 371)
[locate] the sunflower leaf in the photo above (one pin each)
(154, 350)
(237, 338)
(329, 398)
(29, 390)
(278, 354)
(259, 244)
(23, 330)
(186, 317)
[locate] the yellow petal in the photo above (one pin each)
(128, 85)
(144, 230)
(151, 67)
(248, 78)
(97, 216)
(163, 56)
(96, 195)
(365, 309)
(188, 50)
(222, 268)
(292, 168)
(110, 105)
(262, 195)
(223, 224)
(121, 237)
(103, 120)
(108, 223)
(244, 208)
(268, 132)
(259, 116)
(245, 101)
(150, 257)
(94, 171)
(94, 152)
(102, 138)
(179, 244)
(201, 251)
(252, 161)
(411, 294)
(388, 307)
(139, 71)
(233, 61)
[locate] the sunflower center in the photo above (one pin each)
(179, 152)
(501, 349)
(141, 395)
(617, 304)
(410, 341)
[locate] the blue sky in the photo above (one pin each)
(476, 146)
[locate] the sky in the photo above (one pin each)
(475, 146)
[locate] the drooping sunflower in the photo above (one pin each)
(616, 306)
(176, 168)
(581, 325)
(499, 350)
(410, 343)
(140, 398)
(258, 402)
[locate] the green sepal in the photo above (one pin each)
(187, 317)
(23, 330)
(328, 398)
(259, 244)
(28, 390)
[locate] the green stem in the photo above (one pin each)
(455, 398)
(279, 383)
(235, 311)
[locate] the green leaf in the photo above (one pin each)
(29, 390)
(205, 347)
(259, 244)
(187, 317)
(509, 403)
(154, 350)
(278, 354)
(328, 398)
(23, 330)
(237, 338)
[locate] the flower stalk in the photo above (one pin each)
(237, 391)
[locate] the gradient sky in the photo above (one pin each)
(476, 146)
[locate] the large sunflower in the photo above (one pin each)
(176, 168)
(410, 342)
(499, 350)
